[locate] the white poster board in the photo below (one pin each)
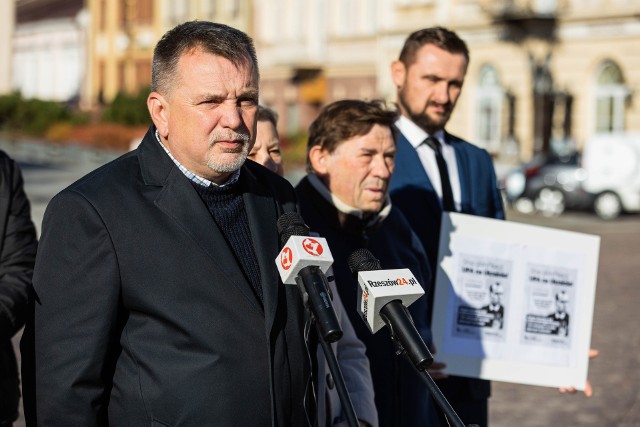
(514, 302)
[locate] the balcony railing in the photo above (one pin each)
(508, 10)
(524, 19)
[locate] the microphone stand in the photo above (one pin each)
(442, 401)
(315, 295)
(316, 298)
(338, 379)
(409, 344)
(405, 336)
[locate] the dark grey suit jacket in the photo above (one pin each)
(143, 315)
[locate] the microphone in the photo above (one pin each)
(304, 260)
(383, 300)
(384, 294)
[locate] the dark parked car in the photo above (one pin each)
(549, 185)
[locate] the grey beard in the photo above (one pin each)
(217, 165)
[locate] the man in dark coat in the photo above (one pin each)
(158, 300)
(344, 199)
(17, 254)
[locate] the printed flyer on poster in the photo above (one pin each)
(514, 302)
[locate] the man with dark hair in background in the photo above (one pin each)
(344, 198)
(436, 171)
(18, 246)
(158, 299)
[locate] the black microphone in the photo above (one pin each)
(384, 292)
(303, 261)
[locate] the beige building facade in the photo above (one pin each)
(544, 74)
(548, 75)
(124, 33)
(7, 24)
(43, 49)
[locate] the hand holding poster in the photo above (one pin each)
(514, 302)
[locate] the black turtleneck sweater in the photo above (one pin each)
(227, 209)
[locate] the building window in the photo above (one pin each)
(344, 22)
(122, 14)
(144, 12)
(234, 9)
(489, 109)
(102, 15)
(413, 2)
(143, 73)
(121, 76)
(293, 118)
(102, 72)
(209, 8)
(177, 11)
(611, 94)
(545, 7)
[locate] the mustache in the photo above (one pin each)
(229, 136)
(446, 105)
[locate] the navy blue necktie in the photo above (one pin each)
(447, 194)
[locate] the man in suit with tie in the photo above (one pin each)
(158, 302)
(437, 171)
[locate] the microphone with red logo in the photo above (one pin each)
(303, 261)
(383, 300)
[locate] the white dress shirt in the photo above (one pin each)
(416, 136)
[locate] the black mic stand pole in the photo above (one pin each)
(442, 401)
(317, 300)
(409, 343)
(338, 379)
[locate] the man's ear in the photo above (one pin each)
(398, 73)
(158, 109)
(318, 158)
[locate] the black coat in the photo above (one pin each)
(144, 316)
(17, 254)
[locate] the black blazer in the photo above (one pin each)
(143, 314)
(17, 254)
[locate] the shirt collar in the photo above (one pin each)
(192, 176)
(414, 133)
(319, 186)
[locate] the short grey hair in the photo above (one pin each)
(211, 37)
